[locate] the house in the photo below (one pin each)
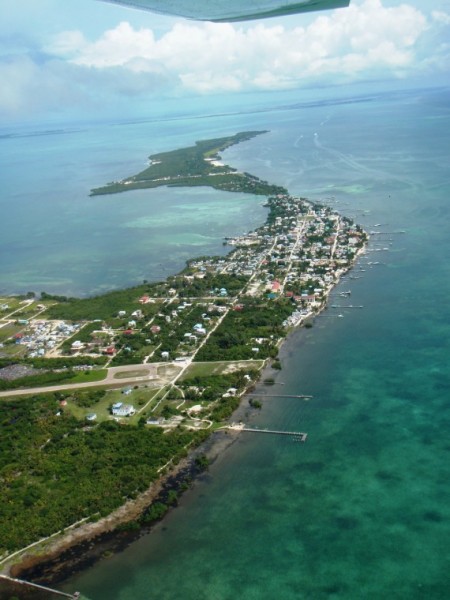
(144, 300)
(275, 286)
(155, 328)
(121, 313)
(165, 355)
(124, 410)
(110, 351)
(190, 337)
(91, 417)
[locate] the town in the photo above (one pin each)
(228, 310)
(145, 374)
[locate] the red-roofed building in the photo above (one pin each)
(276, 286)
(144, 300)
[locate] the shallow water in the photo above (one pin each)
(361, 510)
(55, 238)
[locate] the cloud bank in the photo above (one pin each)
(207, 57)
(364, 41)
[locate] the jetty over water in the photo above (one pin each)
(299, 435)
(53, 592)
(302, 396)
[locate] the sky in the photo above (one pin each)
(65, 59)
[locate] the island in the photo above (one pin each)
(105, 398)
(198, 165)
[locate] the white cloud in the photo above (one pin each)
(28, 86)
(441, 17)
(205, 57)
(366, 40)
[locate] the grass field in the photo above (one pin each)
(203, 369)
(137, 398)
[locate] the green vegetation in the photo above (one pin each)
(198, 369)
(209, 285)
(254, 403)
(7, 331)
(252, 332)
(52, 378)
(55, 471)
(105, 306)
(195, 166)
(63, 362)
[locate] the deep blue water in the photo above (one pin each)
(362, 510)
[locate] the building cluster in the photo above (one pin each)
(41, 337)
(299, 253)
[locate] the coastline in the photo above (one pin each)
(51, 558)
(91, 542)
(53, 562)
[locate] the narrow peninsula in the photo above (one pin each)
(102, 397)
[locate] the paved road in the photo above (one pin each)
(143, 373)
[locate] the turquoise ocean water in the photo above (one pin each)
(55, 238)
(362, 509)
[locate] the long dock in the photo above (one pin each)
(262, 395)
(73, 596)
(300, 435)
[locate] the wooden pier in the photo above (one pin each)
(297, 435)
(44, 588)
(347, 306)
(262, 395)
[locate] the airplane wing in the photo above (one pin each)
(231, 10)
